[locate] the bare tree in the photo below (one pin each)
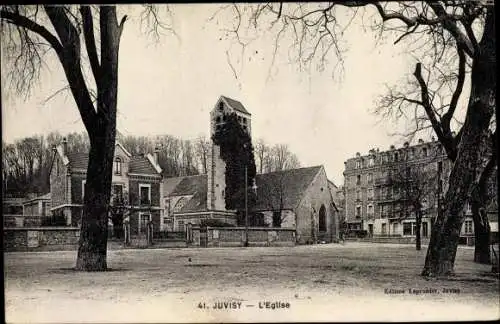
(430, 29)
(202, 149)
(416, 185)
(29, 32)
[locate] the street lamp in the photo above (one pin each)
(254, 187)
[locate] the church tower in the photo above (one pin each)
(217, 166)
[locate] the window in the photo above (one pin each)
(370, 193)
(369, 177)
(358, 164)
(221, 106)
(83, 189)
(410, 153)
(371, 161)
(117, 193)
(383, 211)
(468, 227)
(396, 157)
(165, 220)
(358, 211)
(358, 195)
(118, 166)
(358, 179)
(144, 219)
(145, 194)
(244, 121)
(424, 151)
(370, 210)
(384, 229)
(407, 228)
(218, 120)
(180, 225)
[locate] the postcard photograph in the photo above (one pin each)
(250, 162)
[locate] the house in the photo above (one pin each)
(136, 178)
(298, 198)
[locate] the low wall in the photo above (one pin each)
(389, 239)
(235, 236)
(40, 238)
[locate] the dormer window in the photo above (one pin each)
(244, 120)
(221, 106)
(118, 166)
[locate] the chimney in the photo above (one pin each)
(420, 141)
(155, 154)
(406, 144)
(392, 147)
(358, 154)
(65, 146)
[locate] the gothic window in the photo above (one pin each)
(118, 166)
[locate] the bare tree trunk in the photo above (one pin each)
(94, 231)
(481, 235)
(418, 227)
(443, 244)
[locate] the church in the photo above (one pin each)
(298, 199)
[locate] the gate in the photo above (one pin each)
(203, 236)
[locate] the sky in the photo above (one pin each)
(170, 86)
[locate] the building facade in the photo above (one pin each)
(136, 184)
(376, 202)
(373, 201)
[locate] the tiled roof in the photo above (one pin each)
(288, 186)
(195, 186)
(138, 163)
(78, 160)
(169, 184)
(236, 105)
(293, 184)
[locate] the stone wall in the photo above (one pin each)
(40, 238)
(235, 236)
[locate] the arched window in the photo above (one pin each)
(322, 219)
(118, 166)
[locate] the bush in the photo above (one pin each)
(54, 220)
(215, 223)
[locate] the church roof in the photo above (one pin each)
(195, 186)
(236, 105)
(271, 187)
(285, 188)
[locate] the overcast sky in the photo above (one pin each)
(170, 88)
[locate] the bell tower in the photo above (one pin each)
(216, 166)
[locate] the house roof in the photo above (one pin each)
(138, 163)
(236, 105)
(287, 186)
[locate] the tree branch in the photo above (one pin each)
(445, 121)
(450, 25)
(71, 62)
(90, 44)
(24, 22)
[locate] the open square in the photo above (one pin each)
(334, 282)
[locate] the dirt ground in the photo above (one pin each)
(330, 282)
